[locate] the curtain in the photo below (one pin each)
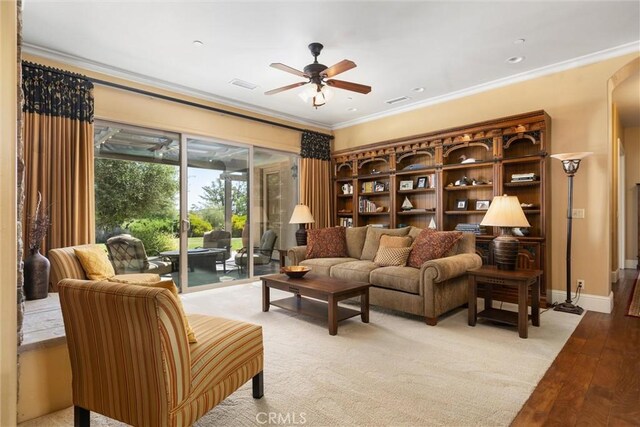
(315, 177)
(58, 154)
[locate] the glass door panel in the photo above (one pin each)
(215, 213)
(274, 195)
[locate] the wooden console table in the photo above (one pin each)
(489, 275)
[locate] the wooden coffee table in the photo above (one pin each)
(316, 289)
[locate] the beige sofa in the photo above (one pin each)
(437, 287)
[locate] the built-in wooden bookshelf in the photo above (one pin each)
(449, 177)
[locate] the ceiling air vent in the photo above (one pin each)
(396, 100)
(243, 84)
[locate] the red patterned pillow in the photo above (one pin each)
(431, 245)
(327, 243)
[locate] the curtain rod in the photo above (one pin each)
(205, 107)
(171, 98)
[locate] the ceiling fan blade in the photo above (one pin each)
(283, 88)
(338, 68)
(288, 69)
(354, 87)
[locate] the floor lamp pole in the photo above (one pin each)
(570, 164)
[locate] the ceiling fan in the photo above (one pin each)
(317, 75)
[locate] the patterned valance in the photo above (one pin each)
(315, 146)
(53, 92)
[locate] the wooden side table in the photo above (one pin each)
(489, 275)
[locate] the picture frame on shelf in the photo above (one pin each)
(461, 204)
(482, 205)
(379, 187)
(422, 182)
(406, 185)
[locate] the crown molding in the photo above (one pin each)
(112, 71)
(506, 81)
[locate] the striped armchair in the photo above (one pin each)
(131, 361)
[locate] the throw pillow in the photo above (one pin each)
(388, 256)
(395, 241)
(170, 286)
(372, 242)
(328, 242)
(355, 240)
(95, 262)
(432, 245)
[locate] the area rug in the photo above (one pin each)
(634, 301)
(395, 370)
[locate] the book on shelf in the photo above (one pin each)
(472, 228)
(524, 177)
(366, 206)
(346, 222)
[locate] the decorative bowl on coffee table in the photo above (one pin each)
(295, 271)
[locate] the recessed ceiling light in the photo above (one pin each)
(198, 43)
(418, 89)
(352, 109)
(518, 41)
(515, 59)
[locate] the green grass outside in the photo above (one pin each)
(196, 242)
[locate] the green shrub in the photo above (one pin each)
(214, 215)
(237, 224)
(156, 234)
(199, 225)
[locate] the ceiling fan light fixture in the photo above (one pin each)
(318, 95)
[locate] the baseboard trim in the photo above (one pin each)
(614, 276)
(599, 303)
(631, 263)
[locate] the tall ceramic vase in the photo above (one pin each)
(36, 276)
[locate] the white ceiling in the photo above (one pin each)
(443, 46)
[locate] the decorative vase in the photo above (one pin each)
(36, 276)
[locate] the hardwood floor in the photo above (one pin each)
(595, 380)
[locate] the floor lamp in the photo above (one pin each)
(570, 165)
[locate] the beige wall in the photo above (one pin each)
(8, 220)
(45, 381)
(631, 142)
(130, 108)
(577, 101)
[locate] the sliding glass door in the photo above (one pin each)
(200, 211)
(215, 206)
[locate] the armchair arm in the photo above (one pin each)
(297, 254)
(442, 269)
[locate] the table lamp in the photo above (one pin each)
(570, 165)
(301, 215)
(505, 212)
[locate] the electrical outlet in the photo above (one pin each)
(577, 213)
(580, 284)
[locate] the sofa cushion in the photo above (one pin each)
(388, 256)
(414, 232)
(355, 240)
(404, 279)
(323, 265)
(372, 242)
(354, 271)
(135, 278)
(395, 242)
(432, 245)
(95, 262)
(327, 242)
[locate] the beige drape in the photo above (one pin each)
(59, 163)
(58, 155)
(315, 190)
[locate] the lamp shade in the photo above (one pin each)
(301, 215)
(505, 211)
(572, 156)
